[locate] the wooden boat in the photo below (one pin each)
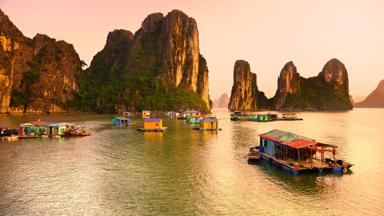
(76, 132)
(296, 154)
(8, 134)
(289, 117)
(253, 154)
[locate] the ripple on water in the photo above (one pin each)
(182, 172)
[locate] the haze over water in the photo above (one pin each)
(119, 171)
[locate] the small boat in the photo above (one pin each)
(8, 134)
(289, 117)
(253, 154)
(73, 131)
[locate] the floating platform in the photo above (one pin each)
(29, 137)
(206, 129)
(9, 138)
(152, 130)
(316, 166)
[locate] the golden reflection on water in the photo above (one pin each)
(185, 172)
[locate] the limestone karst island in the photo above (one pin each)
(191, 107)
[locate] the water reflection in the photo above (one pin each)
(185, 172)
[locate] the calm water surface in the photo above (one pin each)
(184, 172)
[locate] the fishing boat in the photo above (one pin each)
(289, 117)
(74, 131)
(8, 134)
(253, 154)
(297, 154)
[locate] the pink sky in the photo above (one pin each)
(266, 33)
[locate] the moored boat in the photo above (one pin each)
(73, 131)
(8, 134)
(253, 154)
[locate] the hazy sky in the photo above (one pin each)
(266, 33)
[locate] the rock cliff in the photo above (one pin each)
(327, 91)
(244, 89)
(159, 67)
(375, 99)
(288, 83)
(36, 75)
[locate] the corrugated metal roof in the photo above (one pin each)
(208, 120)
(120, 118)
(288, 138)
(152, 119)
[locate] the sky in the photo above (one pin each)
(266, 33)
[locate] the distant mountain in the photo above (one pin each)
(222, 101)
(375, 99)
(357, 98)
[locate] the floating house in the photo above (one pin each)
(296, 153)
(262, 118)
(189, 113)
(172, 115)
(209, 124)
(146, 114)
(194, 122)
(239, 116)
(121, 121)
(153, 125)
(42, 129)
(128, 114)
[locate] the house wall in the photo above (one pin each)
(268, 146)
(207, 125)
(153, 125)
